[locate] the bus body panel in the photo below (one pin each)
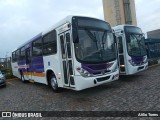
(52, 63)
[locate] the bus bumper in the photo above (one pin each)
(136, 69)
(83, 83)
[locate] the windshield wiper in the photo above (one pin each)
(104, 37)
(134, 35)
(91, 35)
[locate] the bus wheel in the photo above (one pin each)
(53, 83)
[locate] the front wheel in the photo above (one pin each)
(53, 83)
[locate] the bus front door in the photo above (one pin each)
(66, 59)
(121, 55)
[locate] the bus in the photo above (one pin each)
(132, 55)
(76, 53)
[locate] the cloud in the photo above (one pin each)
(23, 19)
(148, 14)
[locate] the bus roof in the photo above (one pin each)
(63, 21)
(66, 19)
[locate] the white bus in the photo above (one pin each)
(76, 53)
(132, 53)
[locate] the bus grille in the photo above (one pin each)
(101, 73)
(103, 79)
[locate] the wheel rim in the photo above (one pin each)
(54, 83)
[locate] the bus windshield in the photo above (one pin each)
(135, 41)
(96, 43)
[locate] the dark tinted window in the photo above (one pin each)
(91, 22)
(37, 47)
(132, 29)
(50, 43)
(17, 54)
(22, 56)
(13, 56)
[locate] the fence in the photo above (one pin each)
(153, 48)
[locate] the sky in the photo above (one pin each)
(20, 20)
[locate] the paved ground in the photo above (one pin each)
(140, 92)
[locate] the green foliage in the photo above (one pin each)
(8, 73)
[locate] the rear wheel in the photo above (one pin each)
(53, 83)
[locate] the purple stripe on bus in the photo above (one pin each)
(137, 60)
(95, 68)
(35, 66)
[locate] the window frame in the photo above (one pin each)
(52, 42)
(40, 47)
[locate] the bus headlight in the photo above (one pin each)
(145, 60)
(132, 63)
(83, 72)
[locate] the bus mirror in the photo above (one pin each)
(75, 35)
(115, 39)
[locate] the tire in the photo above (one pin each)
(53, 83)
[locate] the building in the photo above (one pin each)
(118, 12)
(155, 34)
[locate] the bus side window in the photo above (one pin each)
(120, 44)
(37, 47)
(50, 43)
(14, 57)
(17, 55)
(22, 56)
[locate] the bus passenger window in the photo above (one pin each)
(14, 57)
(17, 55)
(50, 43)
(37, 47)
(22, 56)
